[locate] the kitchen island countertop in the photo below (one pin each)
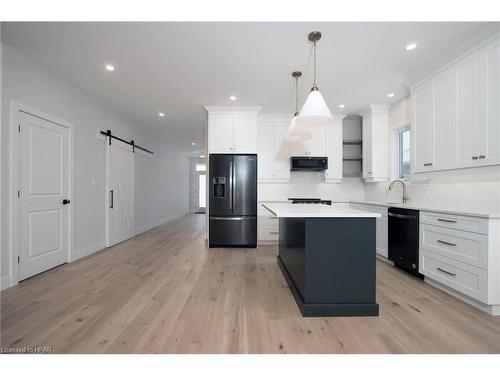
(314, 210)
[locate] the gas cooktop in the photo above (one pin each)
(310, 201)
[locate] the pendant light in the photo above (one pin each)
(295, 132)
(314, 112)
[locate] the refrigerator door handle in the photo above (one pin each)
(230, 185)
(235, 218)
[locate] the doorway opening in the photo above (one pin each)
(198, 185)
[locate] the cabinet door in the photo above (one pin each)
(265, 150)
(245, 134)
(220, 134)
(298, 148)
(382, 237)
(423, 126)
(445, 136)
(489, 144)
(281, 151)
(334, 151)
(367, 148)
(468, 125)
(316, 146)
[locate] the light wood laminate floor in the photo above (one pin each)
(165, 292)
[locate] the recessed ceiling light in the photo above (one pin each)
(411, 46)
(161, 114)
(193, 144)
(390, 95)
(232, 97)
(341, 106)
(109, 67)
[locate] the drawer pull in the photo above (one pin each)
(447, 272)
(447, 243)
(274, 232)
(447, 220)
(475, 158)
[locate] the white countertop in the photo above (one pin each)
(410, 205)
(314, 210)
(489, 215)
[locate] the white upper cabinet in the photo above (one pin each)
(334, 150)
(273, 150)
(316, 146)
(423, 104)
(456, 114)
(490, 99)
(232, 129)
(376, 143)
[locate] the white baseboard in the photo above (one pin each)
(165, 220)
(87, 250)
(384, 259)
(5, 282)
(489, 309)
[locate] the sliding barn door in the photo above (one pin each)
(44, 204)
(120, 224)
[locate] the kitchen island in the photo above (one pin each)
(327, 256)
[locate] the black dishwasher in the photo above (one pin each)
(403, 239)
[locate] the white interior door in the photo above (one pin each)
(44, 172)
(120, 224)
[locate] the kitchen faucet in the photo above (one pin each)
(404, 198)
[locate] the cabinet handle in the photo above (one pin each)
(482, 156)
(274, 232)
(475, 158)
(427, 164)
(369, 172)
(447, 272)
(447, 220)
(447, 243)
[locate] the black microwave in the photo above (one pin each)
(308, 163)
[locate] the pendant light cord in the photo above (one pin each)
(296, 95)
(314, 83)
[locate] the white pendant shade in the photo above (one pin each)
(297, 133)
(314, 112)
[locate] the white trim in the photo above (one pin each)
(5, 282)
(15, 108)
(87, 250)
(156, 224)
(489, 309)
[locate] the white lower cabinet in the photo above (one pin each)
(382, 241)
(267, 227)
(462, 253)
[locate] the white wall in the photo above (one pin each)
(475, 189)
(162, 189)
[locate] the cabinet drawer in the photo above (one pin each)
(468, 223)
(462, 277)
(471, 248)
(268, 233)
(265, 220)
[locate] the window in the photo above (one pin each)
(404, 153)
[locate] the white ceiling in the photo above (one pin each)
(177, 68)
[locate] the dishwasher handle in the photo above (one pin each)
(401, 216)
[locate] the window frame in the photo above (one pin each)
(400, 133)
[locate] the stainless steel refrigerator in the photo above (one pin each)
(232, 200)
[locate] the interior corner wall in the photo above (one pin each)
(161, 181)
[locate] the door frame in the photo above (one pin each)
(106, 192)
(193, 181)
(15, 109)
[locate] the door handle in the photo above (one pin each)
(66, 201)
(401, 216)
(111, 199)
(231, 185)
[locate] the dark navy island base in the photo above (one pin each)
(329, 264)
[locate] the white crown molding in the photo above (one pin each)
(483, 37)
(376, 109)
